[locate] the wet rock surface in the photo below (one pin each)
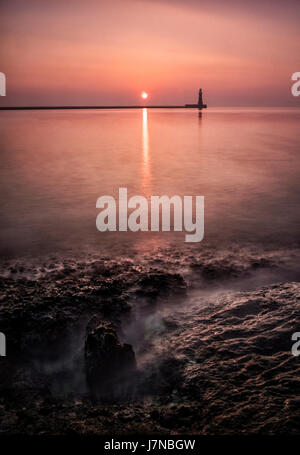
(164, 343)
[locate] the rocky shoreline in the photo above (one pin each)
(167, 343)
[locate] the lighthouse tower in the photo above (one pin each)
(200, 100)
(200, 104)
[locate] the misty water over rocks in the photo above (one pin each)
(179, 339)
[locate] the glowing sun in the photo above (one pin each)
(144, 95)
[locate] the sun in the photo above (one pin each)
(144, 95)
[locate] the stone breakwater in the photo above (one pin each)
(174, 341)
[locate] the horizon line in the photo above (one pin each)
(136, 107)
(101, 107)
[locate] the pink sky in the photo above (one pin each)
(106, 52)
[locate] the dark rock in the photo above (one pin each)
(216, 271)
(161, 284)
(110, 364)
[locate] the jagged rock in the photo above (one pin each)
(110, 364)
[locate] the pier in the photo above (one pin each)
(200, 106)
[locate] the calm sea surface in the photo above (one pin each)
(55, 164)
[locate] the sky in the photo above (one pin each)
(104, 52)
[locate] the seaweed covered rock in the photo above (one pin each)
(110, 364)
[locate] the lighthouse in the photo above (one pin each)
(200, 100)
(200, 104)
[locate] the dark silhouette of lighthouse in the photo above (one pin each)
(200, 104)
